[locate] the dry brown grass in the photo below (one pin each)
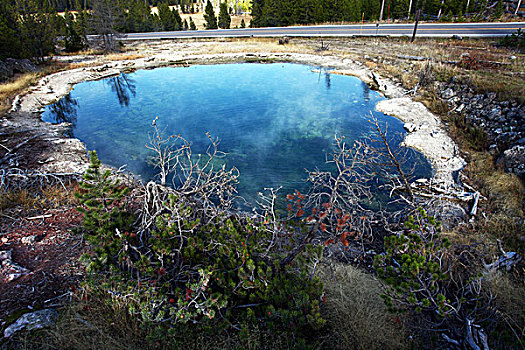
(50, 197)
(77, 65)
(507, 79)
(252, 45)
(18, 84)
(21, 198)
(433, 102)
(86, 52)
(501, 214)
(508, 86)
(509, 303)
(124, 56)
(356, 316)
(10, 89)
(87, 325)
(56, 196)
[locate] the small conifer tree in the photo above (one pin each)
(100, 198)
(73, 41)
(224, 17)
(412, 266)
(209, 16)
(243, 24)
(192, 24)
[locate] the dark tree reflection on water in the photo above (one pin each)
(366, 91)
(125, 88)
(65, 111)
(327, 81)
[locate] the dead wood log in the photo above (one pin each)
(474, 209)
(475, 337)
(506, 260)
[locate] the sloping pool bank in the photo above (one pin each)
(426, 132)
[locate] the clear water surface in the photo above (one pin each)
(273, 120)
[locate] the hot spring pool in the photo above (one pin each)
(273, 120)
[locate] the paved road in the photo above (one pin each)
(424, 30)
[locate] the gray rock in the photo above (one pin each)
(493, 149)
(494, 114)
(448, 93)
(12, 66)
(33, 320)
(4, 256)
(491, 96)
(513, 160)
(28, 240)
(9, 271)
(460, 108)
(409, 127)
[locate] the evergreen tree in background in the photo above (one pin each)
(257, 13)
(178, 19)
(10, 43)
(192, 24)
(82, 21)
(224, 16)
(39, 30)
(352, 11)
(498, 10)
(72, 40)
(138, 17)
(209, 16)
(288, 12)
(303, 14)
(371, 9)
(399, 8)
(167, 18)
(243, 24)
(30, 28)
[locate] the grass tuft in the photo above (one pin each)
(356, 316)
(509, 296)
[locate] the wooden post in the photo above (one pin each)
(415, 26)
(362, 22)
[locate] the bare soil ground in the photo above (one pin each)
(36, 229)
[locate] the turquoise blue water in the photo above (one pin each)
(273, 120)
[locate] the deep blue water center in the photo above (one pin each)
(273, 120)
